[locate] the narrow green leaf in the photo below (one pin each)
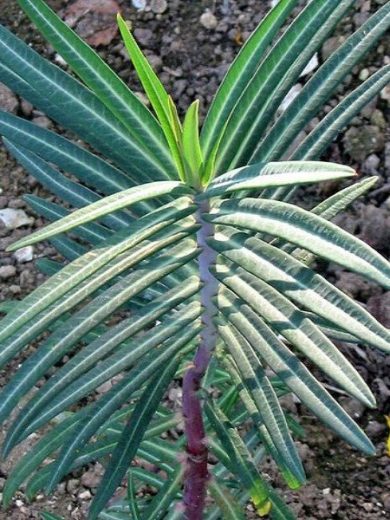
(227, 504)
(81, 270)
(328, 128)
(50, 516)
(30, 330)
(36, 455)
(295, 375)
(322, 85)
(58, 150)
(66, 336)
(131, 438)
(263, 175)
(333, 205)
(132, 497)
(243, 67)
(113, 399)
(254, 414)
(261, 494)
(91, 354)
(92, 232)
(306, 230)
(192, 154)
(122, 359)
(258, 385)
(100, 78)
(155, 91)
(285, 318)
(70, 191)
(165, 499)
(74, 106)
(302, 285)
(103, 207)
(273, 79)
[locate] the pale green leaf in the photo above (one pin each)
(306, 230)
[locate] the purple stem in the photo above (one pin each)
(196, 474)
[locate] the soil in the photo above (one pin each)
(190, 45)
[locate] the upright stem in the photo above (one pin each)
(196, 474)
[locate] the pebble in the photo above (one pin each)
(15, 218)
(24, 254)
(385, 94)
(379, 307)
(364, 74)
(139, 4)
(42, 121)
(375, 428)
(85, 495)
(208, 20)
(361, 141)
(7, 271)
(8, 100)
(378, 119)
(91, 478)
(72, 485)
(353, 407)
(371, 164)
(143, 36)
(331, 45)
(159, 6)
(312, 65)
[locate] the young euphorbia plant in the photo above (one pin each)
(185, 260)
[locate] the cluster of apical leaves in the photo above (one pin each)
(190, 239)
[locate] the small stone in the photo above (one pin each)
(331, 45)
(26, 108)
(14, 218)
(7, 271)
(159, 6)
(85, 495)
(312, 65)
(375, 227)
(91, 478)
(364, 74)
(8, 101)
(385, 94)
(368, 506)
(353, 407)
(143, 36)
(143, 98)
(370, 108)
(375, 428)
(371, 164)
(72, 485)
(60, 60)
(208, 20)
(378, 119)
(379, 307)
(386, 501)
(139, 4)
(42, 121)
(104, 388)
(362, 141)
(24, 254)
